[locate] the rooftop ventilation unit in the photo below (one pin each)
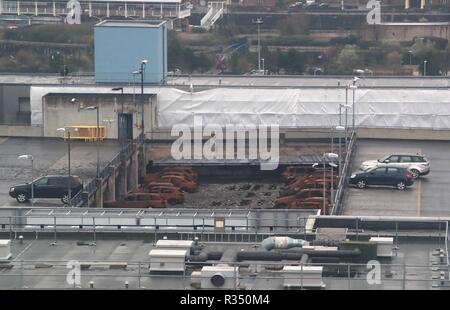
(219, 277)
(302, 277)
(384, 246)
(167, 260)
(174, 244)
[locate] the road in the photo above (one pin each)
(50, 157)
(428, 197)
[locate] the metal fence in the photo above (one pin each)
(339, 196)
(88, 274)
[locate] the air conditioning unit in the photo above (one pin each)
(219, 277)
(5, 249)
(302, 277)
(167, 260)
(384, 246)
(175, 244)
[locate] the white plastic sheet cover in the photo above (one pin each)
(309, 108)
(384, 108)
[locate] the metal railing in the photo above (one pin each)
(338, 198)
(96, 274)
(91, 187)
(447, 247)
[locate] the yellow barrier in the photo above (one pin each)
(88, 133)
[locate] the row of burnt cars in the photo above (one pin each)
(161, 189)
(304, 189)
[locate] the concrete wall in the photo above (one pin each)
(9, 104)
(59, 111)
(119, 51)
(325, 133)
(20, 131)
(395, 32)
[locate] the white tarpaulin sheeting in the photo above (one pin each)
(396, 108)
(384, 108)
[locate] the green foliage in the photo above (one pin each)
(292, 40)
(51, 33)
(292, 61)
(350, 40)
(295, 24)
(184, 58)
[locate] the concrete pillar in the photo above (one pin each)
(18, 8)
(111, 186)
(54, 8)
(1, 6)
(422, 4)
(126, 10)
(407, 4)
(107, 9)
(122, 181)
(35, 8)
(90, 9)
(99, 194)
(133, 171)
(143, 10)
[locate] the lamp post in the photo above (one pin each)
(354, 87)
(263, 67)
(425, 67)
(142, 73)
(340, 129)
(30, 157)
(346, 107)
(258, 22)
(143, 65)
(69, 187)
(97, 140)
(326, 156)
(121, 138)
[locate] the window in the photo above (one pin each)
(392, 170)
(393, 159)
(57, 182)
(418, 159)
(379, 171)
(42, 181)
(405, 159)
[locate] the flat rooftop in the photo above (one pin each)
(50, 157)
(134, 24)
(294, 81)
(44, 264)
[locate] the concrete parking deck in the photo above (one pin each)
(428, 197)
(50, 157)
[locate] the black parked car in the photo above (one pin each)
(388, 176)
(51, 186)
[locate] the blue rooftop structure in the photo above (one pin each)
(121, 46)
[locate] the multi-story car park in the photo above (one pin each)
(358, 215)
